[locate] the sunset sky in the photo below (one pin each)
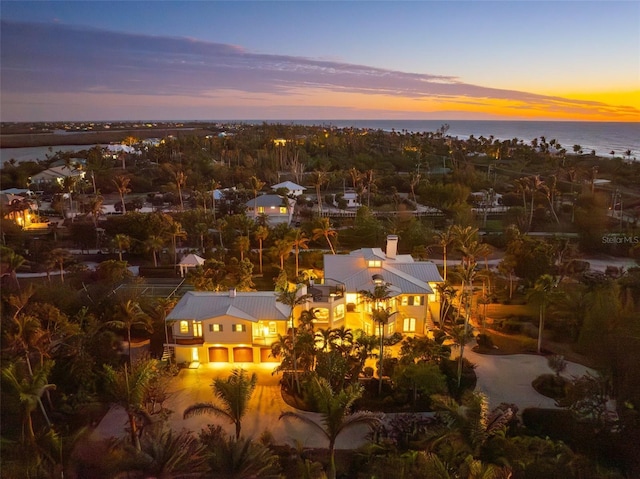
(153, 60)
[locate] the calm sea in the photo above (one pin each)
(601, 137)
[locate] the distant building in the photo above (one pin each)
(276, 208)
(294, 189)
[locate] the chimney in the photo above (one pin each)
(392, 246)
(232, 293)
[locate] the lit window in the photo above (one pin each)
(338, 312)
(197, 329)
(184, 326)
(409, 325)
(322, 314)
(391, 328)
(283, 210)
(374, 263)
(260, 209)
(239, 328)
(215, 328)
(405, 300)
(272, 328)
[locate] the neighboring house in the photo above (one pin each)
(412, 285)
(351, 198)
(226, 327)
(277, 209)
(294, 189)
(20, 210)
(56, 174)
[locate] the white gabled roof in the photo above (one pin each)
(405, 275)
(290, 185)
(251, 306)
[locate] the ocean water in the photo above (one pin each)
(603, 137)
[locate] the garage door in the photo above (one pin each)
(243, 355)
(265, 356)
(218, 355)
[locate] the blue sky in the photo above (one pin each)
(326, 60)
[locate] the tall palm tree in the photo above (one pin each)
(319, 178)
(122, 242)
(300, 241)
(293, 298)
(466, 274)
(122, 185)
(336, 416)
(283, 248)
(445, 239)
(542, 293)
(243, 244)
(154, 244)
(256, 185)
(324, 229)
(175, 231)
(130, 315)
(58, 257)
(128, 388)
(380, 314)
(234, 393)
(261, 233)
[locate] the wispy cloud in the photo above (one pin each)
(61, 59)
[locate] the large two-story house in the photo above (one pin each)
(242, 326)
(226, 326)
(412, 287)
(277, 209)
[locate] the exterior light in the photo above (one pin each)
(377, 278)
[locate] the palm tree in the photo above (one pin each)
(122, 242)
(283, 248)
(122, 185)
(542, 293)
(324, 229)
(445, 239)
(154, 244)
(242, 458)
(467, 274)
(13, 262)
(380, 314)
(175, 231)
(243, 244)
(334, 409)
(293, 298)
(299, 241)
(234, 393)
(128, 389)
(29, 389)
(319, 178)
(256, 186)
(95, 208)
(58, 257)
(130, 315)
(261, 233)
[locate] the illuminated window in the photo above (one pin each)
(283, 210)
(338, 312)
(409, 325)
(239, 328)
(374, 263)
(197, 329)
(272, 328)
(416, 300)
(322, 314)
(260, 209)
(215, 328)
(405, 300)
(184, 326)
(391, 328)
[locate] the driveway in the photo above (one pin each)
(192, 386)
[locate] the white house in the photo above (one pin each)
(226, 326)
(276, 208)
(294, 189)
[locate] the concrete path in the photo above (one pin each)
(502, 378)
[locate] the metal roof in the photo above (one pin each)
(251, 306)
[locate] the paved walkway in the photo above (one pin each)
(502, 378)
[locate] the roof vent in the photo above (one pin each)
(392, 246)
